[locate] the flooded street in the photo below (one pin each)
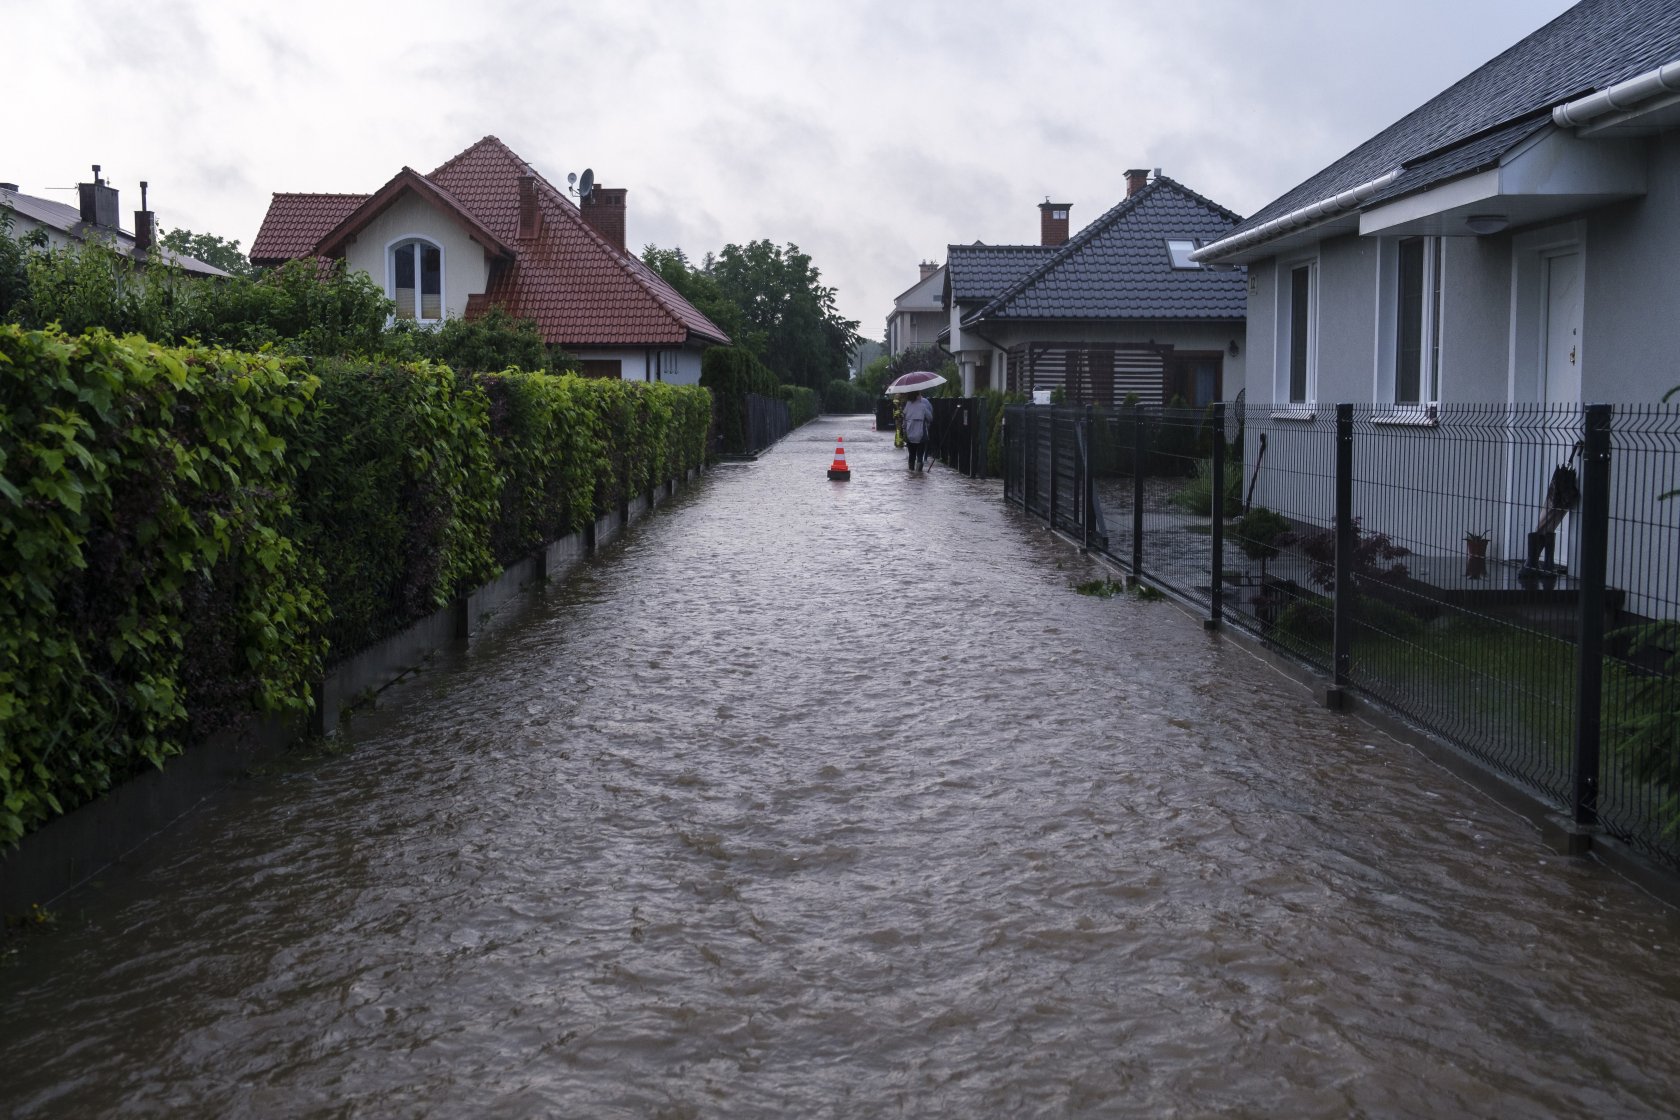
(816, 799)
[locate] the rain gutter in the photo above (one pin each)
(1311, 214)
(1619, 98)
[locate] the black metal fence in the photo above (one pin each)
(768, 420)
(1506, 577)
(959, 432)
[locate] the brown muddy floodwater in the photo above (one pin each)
(820, 799)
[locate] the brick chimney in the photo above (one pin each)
(99, 202)
(530, 218)
(1136, 179)
(1053, 222)
(604, 211)
(145, 224)
(928, 269)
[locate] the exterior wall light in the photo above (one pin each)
(1483, 224)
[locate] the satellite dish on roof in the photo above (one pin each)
(571, 178)
(586, 184)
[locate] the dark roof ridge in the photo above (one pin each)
(1120, 210)
(1477, 136)
(983, 245)
(1103, 221)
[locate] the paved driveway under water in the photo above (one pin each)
(821, 799)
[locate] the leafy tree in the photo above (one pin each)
(210, 249)
(492, 342)
(771, 300)
(14, 257)
(700, 289)
(875, 376)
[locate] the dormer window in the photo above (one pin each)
(1180, 248)
(417, 280)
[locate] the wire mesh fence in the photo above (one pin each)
(1507, 577)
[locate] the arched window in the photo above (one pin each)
(417, 280)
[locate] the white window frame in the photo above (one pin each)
(1283, 377)
(1385, 392)
(1189, 245)
(391, 250)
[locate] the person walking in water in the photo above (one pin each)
(918, 425)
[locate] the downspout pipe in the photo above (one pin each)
(1311, 214)
(1619, 97)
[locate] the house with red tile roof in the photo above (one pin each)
(486, 230)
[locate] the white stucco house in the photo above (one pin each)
(486, 230)
(1509, 244)
(918, 313)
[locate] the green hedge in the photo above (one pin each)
(153, 588)
(190, 534)
(731, 372)
(846, 396)
(400, 496)
(803, 404)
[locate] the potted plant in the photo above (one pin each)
(1257, 535)
(1475, 548)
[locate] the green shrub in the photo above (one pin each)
(731, 372)
(1197, 495)
(845, 396)
(803, 405)
(153, 588)
(400, 496)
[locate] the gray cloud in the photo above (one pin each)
(871, 132)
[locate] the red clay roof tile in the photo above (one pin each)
(576, 286)
(295, 222)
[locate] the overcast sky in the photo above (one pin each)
(872, 133)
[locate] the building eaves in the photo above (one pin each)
(1592, 46)
(980, 271)
(405, 181)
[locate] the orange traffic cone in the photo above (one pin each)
(839, 470)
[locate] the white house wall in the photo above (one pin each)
(466, 268)
(1427, 486)
(640, 363)
(1632, 328)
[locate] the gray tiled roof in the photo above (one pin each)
(1118, 266)
(68, 220)
(979, 272)
(1592, 46)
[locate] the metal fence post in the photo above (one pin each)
(1342, 626)
(1089, 486)
(1216, 604)
(1053, 464)
(1140, 447)
(1589, 648)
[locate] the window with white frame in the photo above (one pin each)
(665, 365)
(1417, 321)
(1300, 332)
(1179, 250)
(417, 280)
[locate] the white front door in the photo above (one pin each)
(1560, 374)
